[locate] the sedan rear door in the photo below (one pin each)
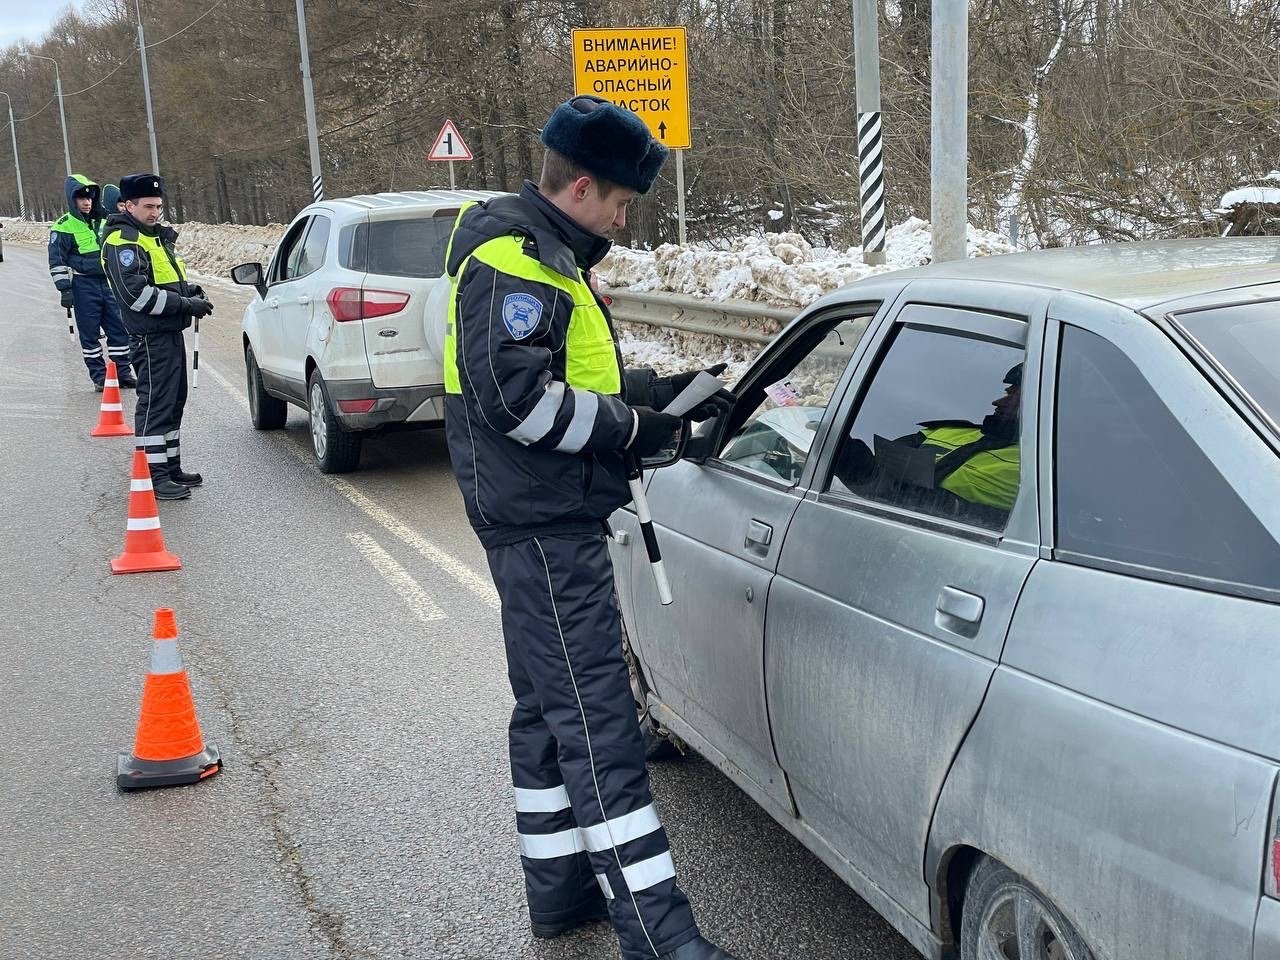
(898, 580)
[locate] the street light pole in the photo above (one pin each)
(146, 90)
(17, 167)
(949, 160)
(62, 114)
(313, 138)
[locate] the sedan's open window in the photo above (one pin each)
(787, 404)
(938, 430)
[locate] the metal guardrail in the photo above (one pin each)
(729, 320)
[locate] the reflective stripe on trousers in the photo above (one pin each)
(584, 813)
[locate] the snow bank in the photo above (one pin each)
(1250, 195)
(781, 269)
(208, 248)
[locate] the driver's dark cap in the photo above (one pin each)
(1014, 377)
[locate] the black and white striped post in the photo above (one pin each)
(866, 57)
(195, 354)
(309, 101)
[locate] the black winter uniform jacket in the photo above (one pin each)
(144, 306)
(517, 488)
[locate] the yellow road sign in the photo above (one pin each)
(645, 69)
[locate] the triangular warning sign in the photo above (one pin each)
(449, 145)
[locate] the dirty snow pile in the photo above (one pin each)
(210, 249)
(781, 269)
(1251, 194)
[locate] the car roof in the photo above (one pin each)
(1139, 275)
(408, 201)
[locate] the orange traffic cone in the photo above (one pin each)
(144, 550)
(111, 417)
(168, 749)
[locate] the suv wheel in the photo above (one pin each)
(337, 450)
(1005, 918)
(266, 411)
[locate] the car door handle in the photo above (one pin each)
(758, 534)
(274, 303)
(961, 605)
(304, 299)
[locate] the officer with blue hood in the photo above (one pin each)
(111, 205)
(540, 417)
(76, 268)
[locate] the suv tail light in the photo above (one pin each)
(353, 303)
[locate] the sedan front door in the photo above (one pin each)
(720, 525)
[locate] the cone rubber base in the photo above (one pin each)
(134, 774)
(123, 430)
(156, 562)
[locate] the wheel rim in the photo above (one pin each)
(319, 421)
(252, 366)
(1017, 925)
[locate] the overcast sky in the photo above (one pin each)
(25, 20)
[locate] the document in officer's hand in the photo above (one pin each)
(704, 386)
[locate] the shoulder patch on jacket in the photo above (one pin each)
(126, 257)
(521, 313)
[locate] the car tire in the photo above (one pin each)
(658, 742)
(1003, 917)
(266, 412)
(337, 450)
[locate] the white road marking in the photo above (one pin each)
(411, 592)
(479, 585)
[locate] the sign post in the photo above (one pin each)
(646, 70)
(449, 146)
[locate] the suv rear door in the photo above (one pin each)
(401, 252)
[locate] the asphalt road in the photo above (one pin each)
(343, 642)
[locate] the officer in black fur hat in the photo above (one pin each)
(157, 303)
(539, 416)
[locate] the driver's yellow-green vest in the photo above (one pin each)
(162, 270)
(989, 477)
(590, 358)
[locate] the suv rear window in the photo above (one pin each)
(400, 248)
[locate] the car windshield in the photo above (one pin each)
(1245, 339)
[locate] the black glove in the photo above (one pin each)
(68, 300)
(197, 291)
(197, 306)
(666, 389)
(654, 431)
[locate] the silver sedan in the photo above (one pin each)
(977, 595)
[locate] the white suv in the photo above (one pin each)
(338, 326)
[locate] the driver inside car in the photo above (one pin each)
(977, 463)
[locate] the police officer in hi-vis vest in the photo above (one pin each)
(75, 265)
(150, 283)
(540, 416)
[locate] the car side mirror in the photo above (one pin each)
(250, 275)
(672, 454)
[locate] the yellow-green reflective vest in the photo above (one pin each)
(85, 236)
(590, 358)
(989, 477)
(162, 270)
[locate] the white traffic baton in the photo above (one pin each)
(195, 356)
(635, 480)
(71, 324)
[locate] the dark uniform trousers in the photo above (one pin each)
(96, 313)
(160, 364)
(584, 812)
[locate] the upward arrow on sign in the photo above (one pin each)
(662, 130)
(449, 145)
